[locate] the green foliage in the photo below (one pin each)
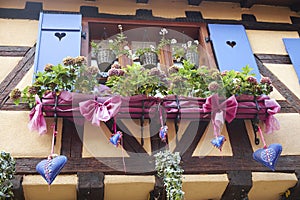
(7, 171)
(142, 51)
(137, 80)
(168, 167)
(120, 44)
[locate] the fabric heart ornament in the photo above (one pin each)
(51, 167)
(116, 138)
(268, 156)
(163, 133)
(218, 141)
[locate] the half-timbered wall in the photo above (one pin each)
(209, 174)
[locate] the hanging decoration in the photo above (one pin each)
(268, 155)
(49, 168)
(163, 133)
(220, 112)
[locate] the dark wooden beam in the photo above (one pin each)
(194, 2)
(240, 183)
(273, 58)
(90, 186)
(191, 137)
(156, 143)
(16, 51)
(283, 89)
(295, 6)
(16, 75)
(18, 188)
(72, 138)
(158, 193)
(247, 3)
(142, 1)
(295, 191)
(145, 165)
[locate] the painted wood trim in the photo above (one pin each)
(206, 45)
(13, 51)
(295, 191)
(90, 186)
(284, 90)
(16, 75)
(274, 59)
(240, 183)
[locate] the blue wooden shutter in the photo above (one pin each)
(59, 36)
(232, 48)
(292, 46)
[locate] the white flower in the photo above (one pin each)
(189, 44)
(173, 41)
(120, 27)
(152, 47)
(235, 80)
(110, 41)
(196, 42)
(163, 31)
(184, 46)
(126, 48)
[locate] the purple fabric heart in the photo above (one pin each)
(218, 141)
(51, 167)
(163, 133)
(268, 156)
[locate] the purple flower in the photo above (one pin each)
(173, 69)
(92, 70)
(252, 80)
(116, 66)
(15, 94)
(266, 80)
(213, 86)
(68, 61)
(48, 68)
(113, 72)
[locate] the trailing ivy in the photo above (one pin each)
(7, 171)
(168, 168)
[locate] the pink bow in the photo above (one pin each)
(271, 123)
(37, 120)
(95, 111)
(220, 111)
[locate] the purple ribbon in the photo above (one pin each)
(37, 120)
(220, 110)
(95, 111)
(271, 123)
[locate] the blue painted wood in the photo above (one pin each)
(292, 46)
(59, 36)
(232, 48)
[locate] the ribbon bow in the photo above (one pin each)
(271, 123)
(220, 111)
(37, 120)
(95, 111)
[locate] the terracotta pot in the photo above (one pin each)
(124, 60)
(165, 58)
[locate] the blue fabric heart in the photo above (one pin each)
(163, 133)
(268, 156)
(50, 168)
(115, 139)
(218, 141)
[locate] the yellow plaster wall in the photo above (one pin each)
(62, 188)
(269, 42)
(286, 136)
(203, 187)
(128, 187)
(7, 64)
(269, 186)
(96, 142)
(205, 148)
(286, 74)
(20, 142)
(17, 32)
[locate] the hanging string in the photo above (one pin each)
(121, 142)
(123, 159)
(262, 137)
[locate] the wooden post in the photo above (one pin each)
(90, 186)
(165, 58)
(18, 188)
(124, 60)
(295, 191)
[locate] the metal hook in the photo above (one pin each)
(255, 123)
(177, 118)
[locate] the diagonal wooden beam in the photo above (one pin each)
(141, 1)
(283, 89)
(16, 75)
(13, 50)
(194, 2)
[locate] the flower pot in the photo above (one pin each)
(124, 60)
(149, 60)
(105, 58)
(192, 57)
(165, 58)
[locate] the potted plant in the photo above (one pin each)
(165, 51)
(191, 52)
(7, 171)
(104, 56)
(168, 168)
(148, 56)
(121, 48)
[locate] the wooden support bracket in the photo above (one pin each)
(18, 188)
